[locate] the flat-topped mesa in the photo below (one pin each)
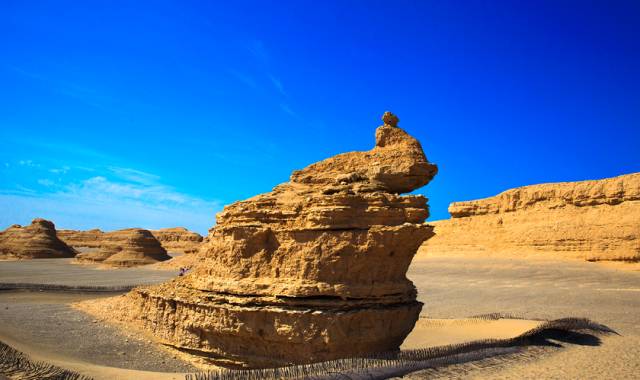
(126, 248)
(593, 220)
(36, 241)
(313, 270)
(610, 191)
(178, 239)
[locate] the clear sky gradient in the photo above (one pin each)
(156, 114)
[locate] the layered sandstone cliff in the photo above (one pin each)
(81, 239)
(35, 241)
(313, 270)
(592, 220)
(178, 239)
(126, 248)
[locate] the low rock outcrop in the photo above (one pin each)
(313, 270)
(81, 239)
(126, 248)
(36, 241)
(592, 220)
(178, 239)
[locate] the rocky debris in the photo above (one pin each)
(178, 239)
(126, 248)
(81, 239)
(592, 220)
(312, 271)
(180, 261)
(36, 241)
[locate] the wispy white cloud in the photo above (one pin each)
(259, 51)
(46, 182)
(288, 109)
(62, 170)
(134, 175)
(80, 93)
(244, 78)
(28, 163)
(277, 84)
(112, 198)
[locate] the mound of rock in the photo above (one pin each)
(36, 241)
(178, 239)
(81, 239)
(126, 248)
(313, 270)
(592, 220)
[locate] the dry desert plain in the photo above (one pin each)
(453, 288)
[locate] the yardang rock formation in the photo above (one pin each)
(178, 239)
(591, 220)
(126, 248)
(36, 241)
(313, 270)
(81, 239)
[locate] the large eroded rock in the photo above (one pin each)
(313, 270)
(81, 239)
(592, 220)
(178, 239)
(35, 241)
(126, 248)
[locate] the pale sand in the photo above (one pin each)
(439, 332)
(458, 287)
(455, 286)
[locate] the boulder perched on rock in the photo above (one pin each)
(591, 220)
(313, 270)
(36, 241)
(81, 239)
(178, 239)
(126, 248)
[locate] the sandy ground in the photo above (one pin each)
(454, 287)
(43, 324)
(62, 272)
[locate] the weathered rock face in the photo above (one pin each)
(126, 248)
(178, 239)
(314, 270)
(80, 239)
(592, 220)
(36, 241)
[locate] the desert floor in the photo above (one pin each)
(457, 286)
(43, 324)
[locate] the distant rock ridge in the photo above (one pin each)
(36, 241)
(313, 270)
(178, 239)
(591, 220)
(610, 191)
(126, 248)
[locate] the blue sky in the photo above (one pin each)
(156, 114)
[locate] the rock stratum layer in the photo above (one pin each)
(313, 270)
(126, 248)
(36, 241)
(592, 220)
(81, 239)
(178, 239)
